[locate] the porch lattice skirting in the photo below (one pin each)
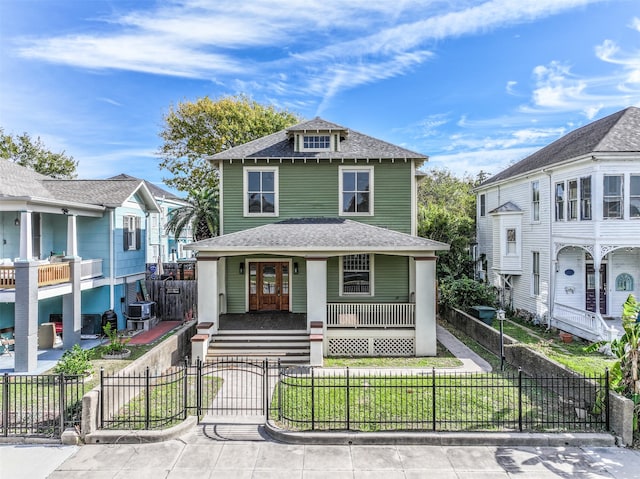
(371, 347)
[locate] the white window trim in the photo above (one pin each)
(371, 278)
(516, 245)
(534, 274)
(622, 198)
(342, 169)
(245, 188)
(328, 148)
(534, 202)
(132, 232)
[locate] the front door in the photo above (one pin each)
(590, 299)
(269, 286)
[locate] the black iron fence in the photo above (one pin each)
(342, 400)
(41, 405)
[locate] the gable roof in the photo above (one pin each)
(314, 235)
(19, 182)
(507, 207)
(280, 145)
(619, 132)
(155, 190)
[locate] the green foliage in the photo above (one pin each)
(465, 292)
(625, 372)
(441, 188)
(440, 224)
(75, 361)
(193, 130)
(201, 214)
(116, 341)
(32, 154)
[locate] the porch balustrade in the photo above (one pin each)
(589, 322)
(371, 315)
(50, 274)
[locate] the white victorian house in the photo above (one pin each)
(559, 232)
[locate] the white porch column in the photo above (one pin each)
(426, 306)
(317, 292)
(72, 236)
(26, 318)
(208, 301)
(26, 247)
(597, 263)
(72, 306)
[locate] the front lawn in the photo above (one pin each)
(443, 359)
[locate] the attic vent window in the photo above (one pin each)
(316, 142)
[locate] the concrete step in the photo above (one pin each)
(260, 344)
(245, 339)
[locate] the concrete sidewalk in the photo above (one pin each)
(206, 453)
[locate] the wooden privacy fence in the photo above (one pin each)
(176, 300)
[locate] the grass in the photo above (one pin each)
(572, 355)
(443, 359)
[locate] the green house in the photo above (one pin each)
(318, 222)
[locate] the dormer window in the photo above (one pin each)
(316, 142)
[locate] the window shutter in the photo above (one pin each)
(125, 232)
(138, 233)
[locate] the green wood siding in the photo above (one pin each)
(311, 190)
(391, 281)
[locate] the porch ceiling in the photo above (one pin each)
(309, 236)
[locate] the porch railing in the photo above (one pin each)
(56, 273)
(50, 274)
(7, 277)
(91, 268)
(371, 315)
(591, 325)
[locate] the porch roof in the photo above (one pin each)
(308, 236)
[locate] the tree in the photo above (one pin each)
(447, 208)
(201, 214)
(32, 154)
(194, 130)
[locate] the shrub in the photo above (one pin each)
(75, 361)
(464, 293)
(116, 342)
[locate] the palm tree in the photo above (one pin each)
(201, 214)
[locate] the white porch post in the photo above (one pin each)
(26, 247)
(26, 317)
(72, 306)
(317, 292)
(208, 302)
(425, 306)
(597, 262)
(72, 236)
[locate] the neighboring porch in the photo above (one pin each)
(590, 284)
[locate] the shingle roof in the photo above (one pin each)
(18, 181)
(318, 234)
(156, 191)
(619, 132)
(279, 145)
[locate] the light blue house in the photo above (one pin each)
(74, 248)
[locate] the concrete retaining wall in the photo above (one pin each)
(536, 364)
(168, 353)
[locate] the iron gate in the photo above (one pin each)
(244, 391)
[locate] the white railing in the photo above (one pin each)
(91, 268)
(371, 315)
(587, 324)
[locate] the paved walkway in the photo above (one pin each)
(204, 453)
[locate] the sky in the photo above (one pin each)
(474, 84)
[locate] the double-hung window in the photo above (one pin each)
(572, 201)
(535, 269)
(483, 205)
(511, 242)
(535, 201)
(356, 191)
(634, 196)
(612, 196)
(261, 191)
(585, 198)
(357, 274)
(131, 231)
(560, 201)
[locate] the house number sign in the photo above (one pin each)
(569, 272)
(173, 290)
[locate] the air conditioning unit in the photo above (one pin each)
(141, 310)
